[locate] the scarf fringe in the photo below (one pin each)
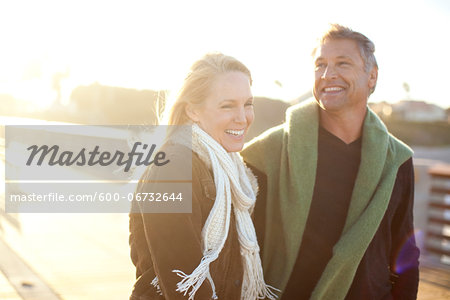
(155, 283)
(253, 285)
(197, 277)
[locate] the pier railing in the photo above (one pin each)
(438, 227)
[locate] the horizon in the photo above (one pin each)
(150, 45)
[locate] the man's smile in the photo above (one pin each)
(332, 89)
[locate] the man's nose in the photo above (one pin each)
(329, 73)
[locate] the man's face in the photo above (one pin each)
(341, 82)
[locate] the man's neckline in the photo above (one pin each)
(357, 141)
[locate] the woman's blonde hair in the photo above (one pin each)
(196, 86)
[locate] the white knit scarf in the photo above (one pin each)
(236, 188)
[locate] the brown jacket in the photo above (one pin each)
(161, 243)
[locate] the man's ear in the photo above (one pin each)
(373, 77)
(192, 113)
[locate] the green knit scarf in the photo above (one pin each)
(288, 155)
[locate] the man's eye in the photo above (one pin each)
(320, 66)
(343, 63)
(226, 106)
(249, 103)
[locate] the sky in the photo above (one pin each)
(151, 44)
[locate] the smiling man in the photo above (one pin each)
(334, 216)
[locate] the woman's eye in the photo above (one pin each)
(226, 106)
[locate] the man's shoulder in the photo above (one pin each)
(269, 136)
(398, 147)
(264, 149)
(308, 106)
(292, 113)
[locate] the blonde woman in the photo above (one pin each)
(211, 253)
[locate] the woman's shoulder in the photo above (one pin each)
(190, 166)
(178, 166)
(182, 157)
(202, 179)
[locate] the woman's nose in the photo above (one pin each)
(240, 116)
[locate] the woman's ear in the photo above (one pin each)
(191, 112)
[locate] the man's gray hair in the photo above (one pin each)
(366, 46)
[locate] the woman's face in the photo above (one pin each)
(227, 112)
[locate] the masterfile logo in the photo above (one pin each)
(76, 168)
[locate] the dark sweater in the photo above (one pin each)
(337, 167)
